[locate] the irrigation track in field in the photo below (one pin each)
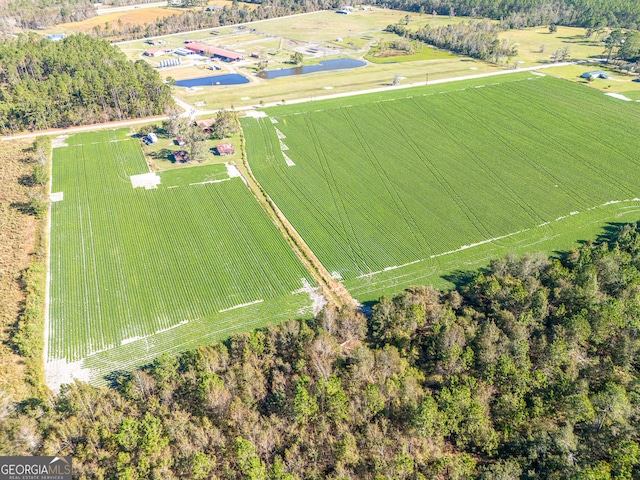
(333, 290)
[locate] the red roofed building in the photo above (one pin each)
(152, 52)
(225, 149)
(226, 55)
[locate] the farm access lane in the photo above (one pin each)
(191, 111)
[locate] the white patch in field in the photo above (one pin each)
(618, 96)
(255, 114)
(539, 74)
(473, 68)
(209, 181)
(328, 88)
(130, 340)
(316, 296)
(464, 247)
(281, 135)
(245, 98)
(60, 141)
(59, 372)
(336, 276)
(232, 171)
(283, 147)
(242, 305)
(288, 160)
(394, 267)
(184, 322)
(146, 180)
(57, 197)
(273, 120)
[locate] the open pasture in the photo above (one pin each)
(157, 270)
(401, 188)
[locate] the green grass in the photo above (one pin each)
(421, 52)
(137, 272)
(403, 188)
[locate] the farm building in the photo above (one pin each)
(221, 53)
(206, 125)
(179, 141)
(55, 37)
(151, 138)
(184, 52)
(152, 52)
(225, 149)
(342, 11)
(181, 156)
(595, 74)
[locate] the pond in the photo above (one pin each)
(337, 64)
(229, 79)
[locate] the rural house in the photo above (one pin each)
(206, 125)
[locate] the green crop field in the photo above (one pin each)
(418, 186)
(138, 272)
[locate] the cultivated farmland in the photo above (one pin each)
(137, 272)
(401, 188)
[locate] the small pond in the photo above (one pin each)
(337, 64)
(229, 79)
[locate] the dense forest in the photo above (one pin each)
(527, 369)
(79, 80)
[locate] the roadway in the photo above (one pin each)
(190, 111)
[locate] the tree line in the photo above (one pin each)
(527, 369)
(477, 38)
(79, 80)
(529, 13)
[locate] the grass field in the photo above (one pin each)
(536, 45)
(403, 188)
(618, 83)
(136, 272)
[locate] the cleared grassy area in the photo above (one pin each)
(136, 272)
(421, 52)
(339, 81)
(618, 83)
(160, 157)
(401, 188)
(537, 45)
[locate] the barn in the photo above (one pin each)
(595, 74)
(221, 53)
(225, 149)
(152, 52)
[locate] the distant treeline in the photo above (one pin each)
(523, 13)
(513, 13)
(79, 80)
(527, 370)
(478, 39)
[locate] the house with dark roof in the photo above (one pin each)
(181, 156)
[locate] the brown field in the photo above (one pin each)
(17, 245)
(131, 17)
